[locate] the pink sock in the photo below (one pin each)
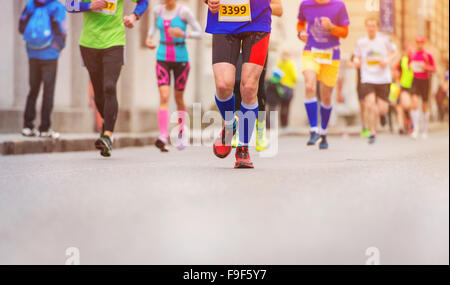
(181, 120)
(163, 122)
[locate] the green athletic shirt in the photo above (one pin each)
(407, 73)
(102, 31)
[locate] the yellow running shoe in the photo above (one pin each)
(365, 133)
(261, 137)
(235, 141)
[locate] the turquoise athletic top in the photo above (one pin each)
(174, 49)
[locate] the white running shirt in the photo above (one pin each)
(371, 52)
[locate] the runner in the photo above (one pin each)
(172, 20)
(373, 54)
(102, 46)
(321, 25)
(261, 137)
(394, 104)
(274, 95)
(422, 63)
(236, 23)
(406, 81)
(365, 132)
(288, 81)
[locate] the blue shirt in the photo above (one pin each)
(261, 15)
(57, 13)
(311, 12)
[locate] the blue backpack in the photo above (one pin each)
(38, 33)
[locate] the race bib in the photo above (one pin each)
(235, 11)
(110, 9)
(373, 61)
(416, 66)
(323, 56)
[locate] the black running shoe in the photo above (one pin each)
(314, 138)
(104, 144)
(323, 142)
(161, 145)
(372, 139)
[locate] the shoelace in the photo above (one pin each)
(242, 153)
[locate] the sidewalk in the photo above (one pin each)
(11, 144)
(14, 144)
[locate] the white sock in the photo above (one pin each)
(415, 116)
(323, 132)
(426, 118)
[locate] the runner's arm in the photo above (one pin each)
(188, 16)
(357, 58)
(398, 66)
(153, 25)
(398, 69)
(340, 31)
(213, 8)
(301, 31)
(141, 7)
(337, 31)
(393, 51)
(393, 56)
(72, 6)
(301, 26)
(430, 66)
(277, 8)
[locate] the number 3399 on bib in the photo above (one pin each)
(235, 11)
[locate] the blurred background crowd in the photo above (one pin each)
(402, 20)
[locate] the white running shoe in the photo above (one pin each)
(50, 134)
(27, 132)
(182, 142)
(415, 135)
(425, 136)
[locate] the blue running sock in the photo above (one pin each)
(325, 113)
(311, 109)
(247, 120)
(227, 109)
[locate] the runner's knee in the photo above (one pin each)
(109, 88)
(224, 88)
(249, 90)
(383, 108)
(179, 100)
(164, 98)
(370, 100)
(311, 88)
(406, 105)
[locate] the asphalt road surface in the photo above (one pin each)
(303, 206)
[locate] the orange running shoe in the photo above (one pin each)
(243, 158)
(222, 145)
